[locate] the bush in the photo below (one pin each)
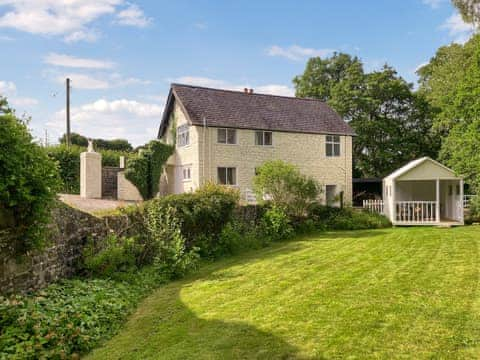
(144, 168)
(275, 225)
(117, 255)
(29, 181)
(200, 216)
(70, 317)
(333, 218)
(286, 187)
(171, 257)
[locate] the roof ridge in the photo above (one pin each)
(254, 93)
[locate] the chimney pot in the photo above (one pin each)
(250, 91)
(245, 90)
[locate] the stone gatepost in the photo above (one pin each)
(90, 173)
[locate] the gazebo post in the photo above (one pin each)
(437, 207)
(394, 204)
(461, 209)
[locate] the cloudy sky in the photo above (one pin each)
(122, 55)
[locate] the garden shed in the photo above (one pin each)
(423, 192)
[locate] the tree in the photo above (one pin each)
(286, 187)
(28, 184)
(321, 75)
(114, 144)
(75, 139)
(392, 122)
(469, 9)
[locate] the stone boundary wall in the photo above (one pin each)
(70, 230)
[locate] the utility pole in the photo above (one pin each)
(68, 114)
(46, 138)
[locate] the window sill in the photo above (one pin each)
(226, 144)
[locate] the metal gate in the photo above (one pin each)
(109, 181)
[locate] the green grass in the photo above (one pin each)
(397, 293)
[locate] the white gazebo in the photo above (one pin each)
(423, 192)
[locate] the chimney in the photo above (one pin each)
(245, 90)
(250, 91)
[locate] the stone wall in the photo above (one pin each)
(70, 230)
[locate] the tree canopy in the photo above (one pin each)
(469, 9)
(392, 122)
(115, 144)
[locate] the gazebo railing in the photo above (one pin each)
(416, 211)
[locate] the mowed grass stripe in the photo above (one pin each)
(397, 293)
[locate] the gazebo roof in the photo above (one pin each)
(432, 170)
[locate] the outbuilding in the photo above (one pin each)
(423, 192)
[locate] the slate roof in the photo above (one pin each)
(236, 109)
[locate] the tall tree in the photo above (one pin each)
(469, 9)
(114, 144)
(393, 124)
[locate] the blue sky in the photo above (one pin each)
(121, 55)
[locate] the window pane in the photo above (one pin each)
(336, 138)
(187, 138)
(231, 176)
(329, 138)
(222, 177)
(259, 138)
(221, 136)
(336, 148)
(232, 136)
(329, 149)
(268, 138)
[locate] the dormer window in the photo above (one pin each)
(183, 135)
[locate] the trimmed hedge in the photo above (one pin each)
(68, 160)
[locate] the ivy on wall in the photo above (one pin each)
(145, 168)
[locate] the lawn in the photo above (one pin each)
(396, 293)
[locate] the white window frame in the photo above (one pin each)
(226, 169)
(227, 130)
(187, 173)
(263, 138)
(183, 135)
(335, 143)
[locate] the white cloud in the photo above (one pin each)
(82, 81)
(133, 16)
(96, 81)
(434, 4)
(272, 89)
(71, 19)
(200, 25)
(458, 29)
(297, 53)
(9, 90)
(76, 62)
(6, 38)
(82, 35)
(123, 118)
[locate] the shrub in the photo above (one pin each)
(144, 168)
(29, 181)
(171, 258)
(200, 216)
(70, 317)
(275, 225)
(333, 218)
(286, 187)
(117, 255)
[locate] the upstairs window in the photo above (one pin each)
(183, 135)
(263, 138)
(332, 144)
(227, 136)
(227, 175)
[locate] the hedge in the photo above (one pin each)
(68, 159)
